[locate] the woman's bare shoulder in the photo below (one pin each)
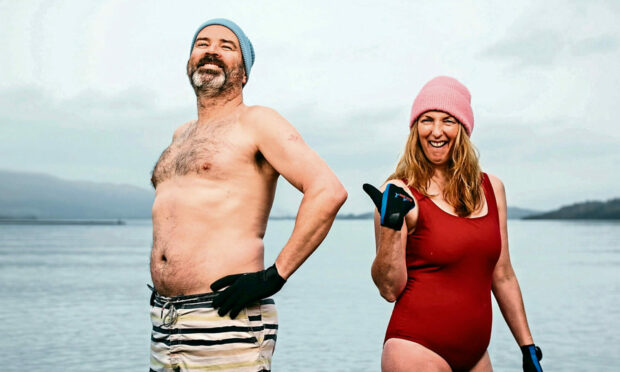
(498, 185)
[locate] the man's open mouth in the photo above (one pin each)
(210, 65)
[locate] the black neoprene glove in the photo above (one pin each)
(393, 204)
(245, 289)
(531, 357)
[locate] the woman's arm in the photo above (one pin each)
(505, 285)
(389, 269)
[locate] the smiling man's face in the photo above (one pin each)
(216, 62)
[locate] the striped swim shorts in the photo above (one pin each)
(189, 335)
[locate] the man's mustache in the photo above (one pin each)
(211, 59)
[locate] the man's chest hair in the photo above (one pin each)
(212, 150)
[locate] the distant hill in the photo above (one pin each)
(518, 213)
(34, 195)
(588, 210)
(351, 216)
(41, 196)
(513, 213)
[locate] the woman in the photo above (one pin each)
(442, 245)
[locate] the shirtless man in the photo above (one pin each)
(214, 188)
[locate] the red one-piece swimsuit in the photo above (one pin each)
(446, 304)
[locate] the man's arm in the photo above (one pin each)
(283, 147)
(288, 154)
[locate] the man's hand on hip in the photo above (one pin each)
(245, 289)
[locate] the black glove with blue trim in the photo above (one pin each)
(531, 357)
(393, 204)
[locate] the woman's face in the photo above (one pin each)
(437, 132)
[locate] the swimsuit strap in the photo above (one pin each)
(489, 194)
(418, 195)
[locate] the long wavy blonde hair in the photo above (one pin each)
(463, 190)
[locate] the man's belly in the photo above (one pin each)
(195, 244)
(188, 268)
(184, 262)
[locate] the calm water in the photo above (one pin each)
(73, 298)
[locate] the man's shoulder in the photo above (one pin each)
(263, 120)
(255, 114)
(182, 128)
(186, 124)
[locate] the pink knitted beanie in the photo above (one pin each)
(445, 94)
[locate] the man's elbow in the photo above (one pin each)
(340, 196)
(334, 198)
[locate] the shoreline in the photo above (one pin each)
(33, 221)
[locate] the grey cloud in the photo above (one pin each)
(594, 45)
(540, 48)
(352, 133)
(552, 32)
(128, 102)
(559, 140)
(32, 106)
(547, 47)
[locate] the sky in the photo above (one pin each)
(93, 90)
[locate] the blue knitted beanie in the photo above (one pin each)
(247, 50)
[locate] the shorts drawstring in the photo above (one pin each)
(171, 317)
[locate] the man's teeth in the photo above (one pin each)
(437, 143)
(209, 65)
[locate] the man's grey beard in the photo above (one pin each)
(208, 85)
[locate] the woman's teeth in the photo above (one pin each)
(437, 144)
